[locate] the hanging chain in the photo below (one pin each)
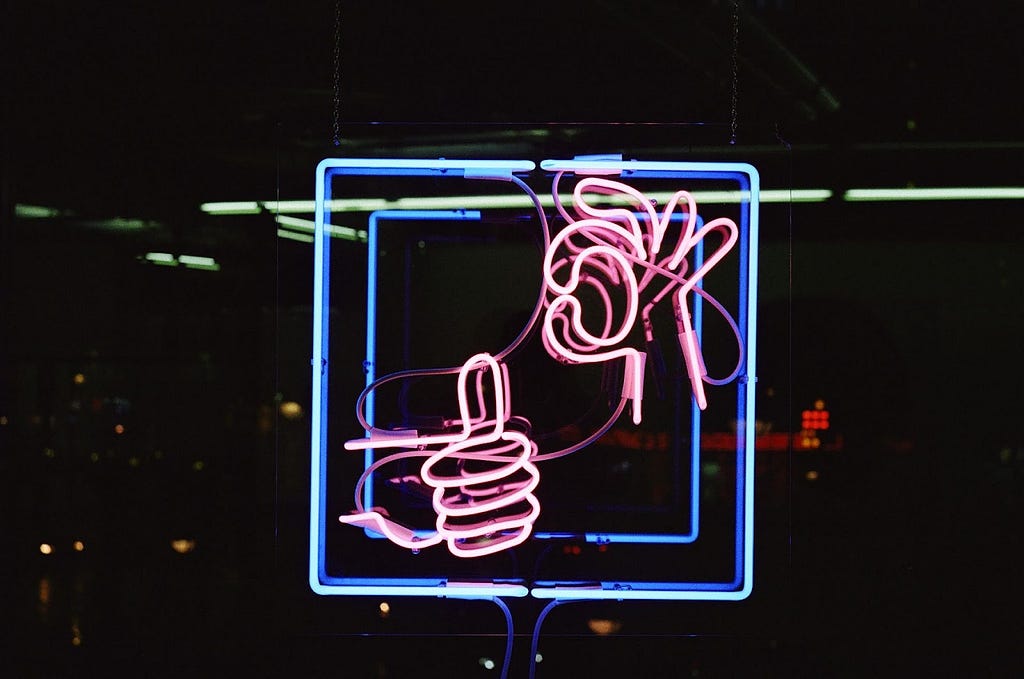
(735, 67)
(337, 72)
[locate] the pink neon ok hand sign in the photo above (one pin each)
(600, 250)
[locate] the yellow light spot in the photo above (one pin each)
(819, 404)
(94, 457)
(79, 378)
(385, 607)
(183, 546)
(603, 627)
(45, 548)
(79, 546)
(198, 465)
(812, 475)
(133, 461)
(118, 428)
(49, 452)
(290, 410)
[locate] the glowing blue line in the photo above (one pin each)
(635, 167)
(394, 165)
(396, 587)
(687, 591)
(695, 411)
(752, 240)
(318, 411)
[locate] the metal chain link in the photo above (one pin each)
(735, 68)
(337, 72)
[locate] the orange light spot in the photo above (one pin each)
(604, 627)
(183, 546)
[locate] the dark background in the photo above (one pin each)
(898, 557)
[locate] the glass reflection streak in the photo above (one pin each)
(482, 478)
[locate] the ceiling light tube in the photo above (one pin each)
(309, 226)
(936, 193)
(161, 258)
(244, 207)
(492, 201)
(197, 262)
(34, 211)
(293, 235)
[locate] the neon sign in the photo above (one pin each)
(603, 276)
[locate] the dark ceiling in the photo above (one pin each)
(144, 111)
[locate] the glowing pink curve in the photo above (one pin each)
(478, 493)
(658, 223)
(595, 227)
(380, 438)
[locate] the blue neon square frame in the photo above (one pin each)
(740, 586)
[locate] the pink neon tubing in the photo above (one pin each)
(618, 230)
(478, 494)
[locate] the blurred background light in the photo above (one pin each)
(603, 627)
(183, 545)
